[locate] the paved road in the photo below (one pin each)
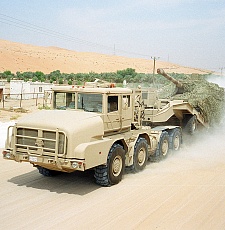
(186, 191)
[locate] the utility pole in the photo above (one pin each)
(221, 69)
(154, 59)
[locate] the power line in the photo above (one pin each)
(31, 27)
(38, 29)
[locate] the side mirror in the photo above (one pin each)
(125, 103)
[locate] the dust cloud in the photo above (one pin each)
(207, 146)
(220, 80)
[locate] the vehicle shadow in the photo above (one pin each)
(79, 183)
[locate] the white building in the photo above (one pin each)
(2, 89)
(28, 90)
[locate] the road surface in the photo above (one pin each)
(185, 191)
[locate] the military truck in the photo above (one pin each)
(161, 111)
(90, 128)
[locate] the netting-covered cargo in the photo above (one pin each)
(208, 98)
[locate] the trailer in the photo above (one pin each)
(162, 111)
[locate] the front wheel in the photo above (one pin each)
(112, 172)
(47, 172)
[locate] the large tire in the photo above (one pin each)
(112, 172)
(47, 172)
(163, 147)
(140, 155)
(190, 125)
(175, 139)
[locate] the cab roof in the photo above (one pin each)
(82, 89)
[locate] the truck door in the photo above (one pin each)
(119, 113)
(126, 111)
(112, 118)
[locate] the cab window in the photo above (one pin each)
(112, 103)
(90, 102)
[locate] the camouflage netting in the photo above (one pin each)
(206, 97)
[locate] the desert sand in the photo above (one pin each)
(185, 191)
(22, 57)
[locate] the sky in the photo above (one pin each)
(186, 32)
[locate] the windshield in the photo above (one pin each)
(64, 100)
(90, 102)
(87, 102)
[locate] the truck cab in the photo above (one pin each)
(113, 105)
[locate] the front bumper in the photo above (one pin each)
(49, 162)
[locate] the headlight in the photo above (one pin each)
(74, 165)
(6, 154)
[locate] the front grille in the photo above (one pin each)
(39, 141)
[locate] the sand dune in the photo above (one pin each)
(22, 57)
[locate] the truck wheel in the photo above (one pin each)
(175, 139)
(162, 148)
(112, 172)
(163, 145)
(140, 155)
(47, 172)
(191, 125)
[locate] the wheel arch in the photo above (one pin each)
(146, 137)
(169, 129)
(122, 143)
(187, 117)
(172, 129)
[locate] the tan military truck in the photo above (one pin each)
(90, 128)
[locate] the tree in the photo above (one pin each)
(18, 75)
(8, 75)
(26, 76)
(61, 81)
(125, 72)
(40, 76)
(7, 72)
(55, 75)
(34, 79)
(8, 79)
